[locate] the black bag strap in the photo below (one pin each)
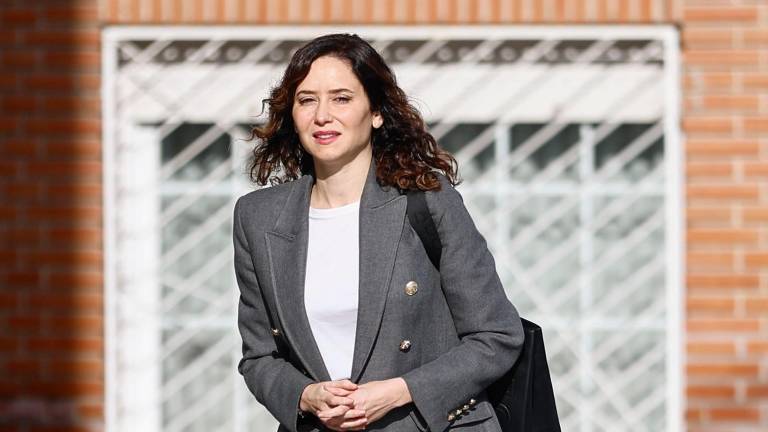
(422, 222)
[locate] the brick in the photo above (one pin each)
(710, 348)
(721, 59)
(757, 391)
(77, 192)
(82, 279)
(18, 17)
(93, 368)
(22, 278)
(20, 103)
(757, 124)
(711, 391)
(75, 126)
(745, 14)
(726, 369)
(66, 258)
(82, 11)
(757, 347)
(734, 414)
(62, 346)
(21, 147)
(67, 104)
(75, 59)
(18, 59)
(72, 236)
(708, 125)
(83, 303)
(81, 325)
(708, 215)
(707, 37)
(717, 306)
(755, 37)
(756, 169)
(26, 236)
(736, 192)
(723, 236)
(710, 261)
(756, 259)
(65, 168)
(24, 323)
(8, 300)
(23, 367)
(756, 305)
(91, 411)
(694, 415)
(755, 81)
(22, 192)
(722, 281)
(76, 84)
(731, 103)
(708, 80)
(720, 325)
(65, 386)
(86, 38)
(707, 171)
(755, 214)
(79, 148)
(64, 213)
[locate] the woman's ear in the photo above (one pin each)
(377, 120)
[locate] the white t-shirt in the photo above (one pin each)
(331, 284)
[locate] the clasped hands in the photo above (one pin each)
(343, 405)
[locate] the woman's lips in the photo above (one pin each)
(325, 137)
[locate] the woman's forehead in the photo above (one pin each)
(328, 74)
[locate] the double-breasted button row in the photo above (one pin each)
(458, 412)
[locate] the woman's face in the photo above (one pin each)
(332, 113)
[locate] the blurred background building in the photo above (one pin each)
(614, 154)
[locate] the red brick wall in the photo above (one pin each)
(51, 361)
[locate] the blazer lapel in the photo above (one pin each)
(382, 213)
(287, 249)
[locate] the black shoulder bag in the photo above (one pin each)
(523, 398)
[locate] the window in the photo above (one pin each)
(568, 144)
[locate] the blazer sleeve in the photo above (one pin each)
(488, 325)
(274, 382)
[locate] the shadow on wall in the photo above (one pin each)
(51, 331)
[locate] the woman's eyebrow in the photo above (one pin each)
(333, 91)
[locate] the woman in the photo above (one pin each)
(346, 324)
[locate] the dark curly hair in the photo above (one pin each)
(406, 154)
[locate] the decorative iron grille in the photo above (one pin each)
(568, 144)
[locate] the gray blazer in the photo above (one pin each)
(463, 332)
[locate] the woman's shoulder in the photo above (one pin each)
(264, 201)
(266, 194)
(446, 199)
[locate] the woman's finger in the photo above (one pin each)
(339, 400)
(354, 424)
(338, 391)
(328, 414)
(354, 413)
(347, 384)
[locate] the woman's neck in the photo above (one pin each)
(340, 187)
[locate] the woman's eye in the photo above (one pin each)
(342, 99)
(305, 100)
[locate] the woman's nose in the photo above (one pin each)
(322, 116)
